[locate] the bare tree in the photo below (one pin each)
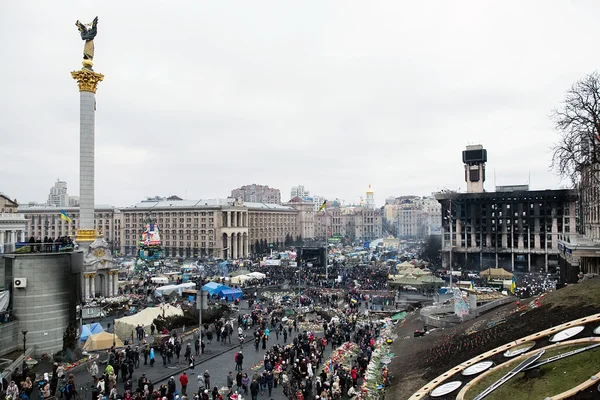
(578, 122)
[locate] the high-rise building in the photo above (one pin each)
(299, 191)
(58, 196)
(513, 228)
(257, 194)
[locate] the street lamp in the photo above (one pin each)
(24, 348)
(24, 340)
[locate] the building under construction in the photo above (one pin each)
(512, 228)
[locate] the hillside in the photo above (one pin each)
(421, 359)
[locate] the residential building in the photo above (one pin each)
(44, 221)
(190, 228)
(271, 223)
(513, 228)
(12, 224)
(306, 217)
(58, 196)
(257, 194)
(413, 217)
(299, 191)
(219, 228)
(353, 223)
(317, 201)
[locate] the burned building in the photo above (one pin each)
(513, 228)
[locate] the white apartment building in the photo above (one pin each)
(299, 191)
(58, 196)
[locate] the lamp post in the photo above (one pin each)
(24, 348)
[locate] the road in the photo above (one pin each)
(218, 367)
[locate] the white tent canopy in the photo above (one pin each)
(238, 280)
(126, 325)
(257, 275)
(168, 289)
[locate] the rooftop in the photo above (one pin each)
(53, 208)
(202, 203)
(570, 194)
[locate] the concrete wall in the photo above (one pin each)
(48, 304)
(9, 337)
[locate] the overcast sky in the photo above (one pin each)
(203, 97)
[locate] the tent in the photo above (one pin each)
(238, 280)
(101, 341)
(168, 289)
(212, 287)
(498, 273)
(232, 294)
(125, 326)
(257, 275)
(90, 329)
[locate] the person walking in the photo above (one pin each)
(239, 361)
(254, 389)
(183, 380)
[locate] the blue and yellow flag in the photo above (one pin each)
(322, 207)
(64, 216)
(513, 285)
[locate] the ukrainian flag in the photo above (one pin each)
(513, 285)
(322, 207)
(64, 216)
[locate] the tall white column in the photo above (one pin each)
(235, 246)
(87, 120)
(109, 286)
(88, 81)
(13, 237)
(93, 285)
(229, 245)
(22, 238)
(115, 283)
(246, 245)
(86, 286)
(229, 219)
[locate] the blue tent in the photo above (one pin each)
(91, 329)
(213, 287)
(231, 294)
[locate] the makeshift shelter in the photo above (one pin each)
(212, 287)
(168, 289)
(90, 329)
(238, 280)
(495, 273)
(124, 327)
(232, 294)
(101, 341)
(257, 275)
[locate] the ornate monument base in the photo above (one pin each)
(100, 278)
